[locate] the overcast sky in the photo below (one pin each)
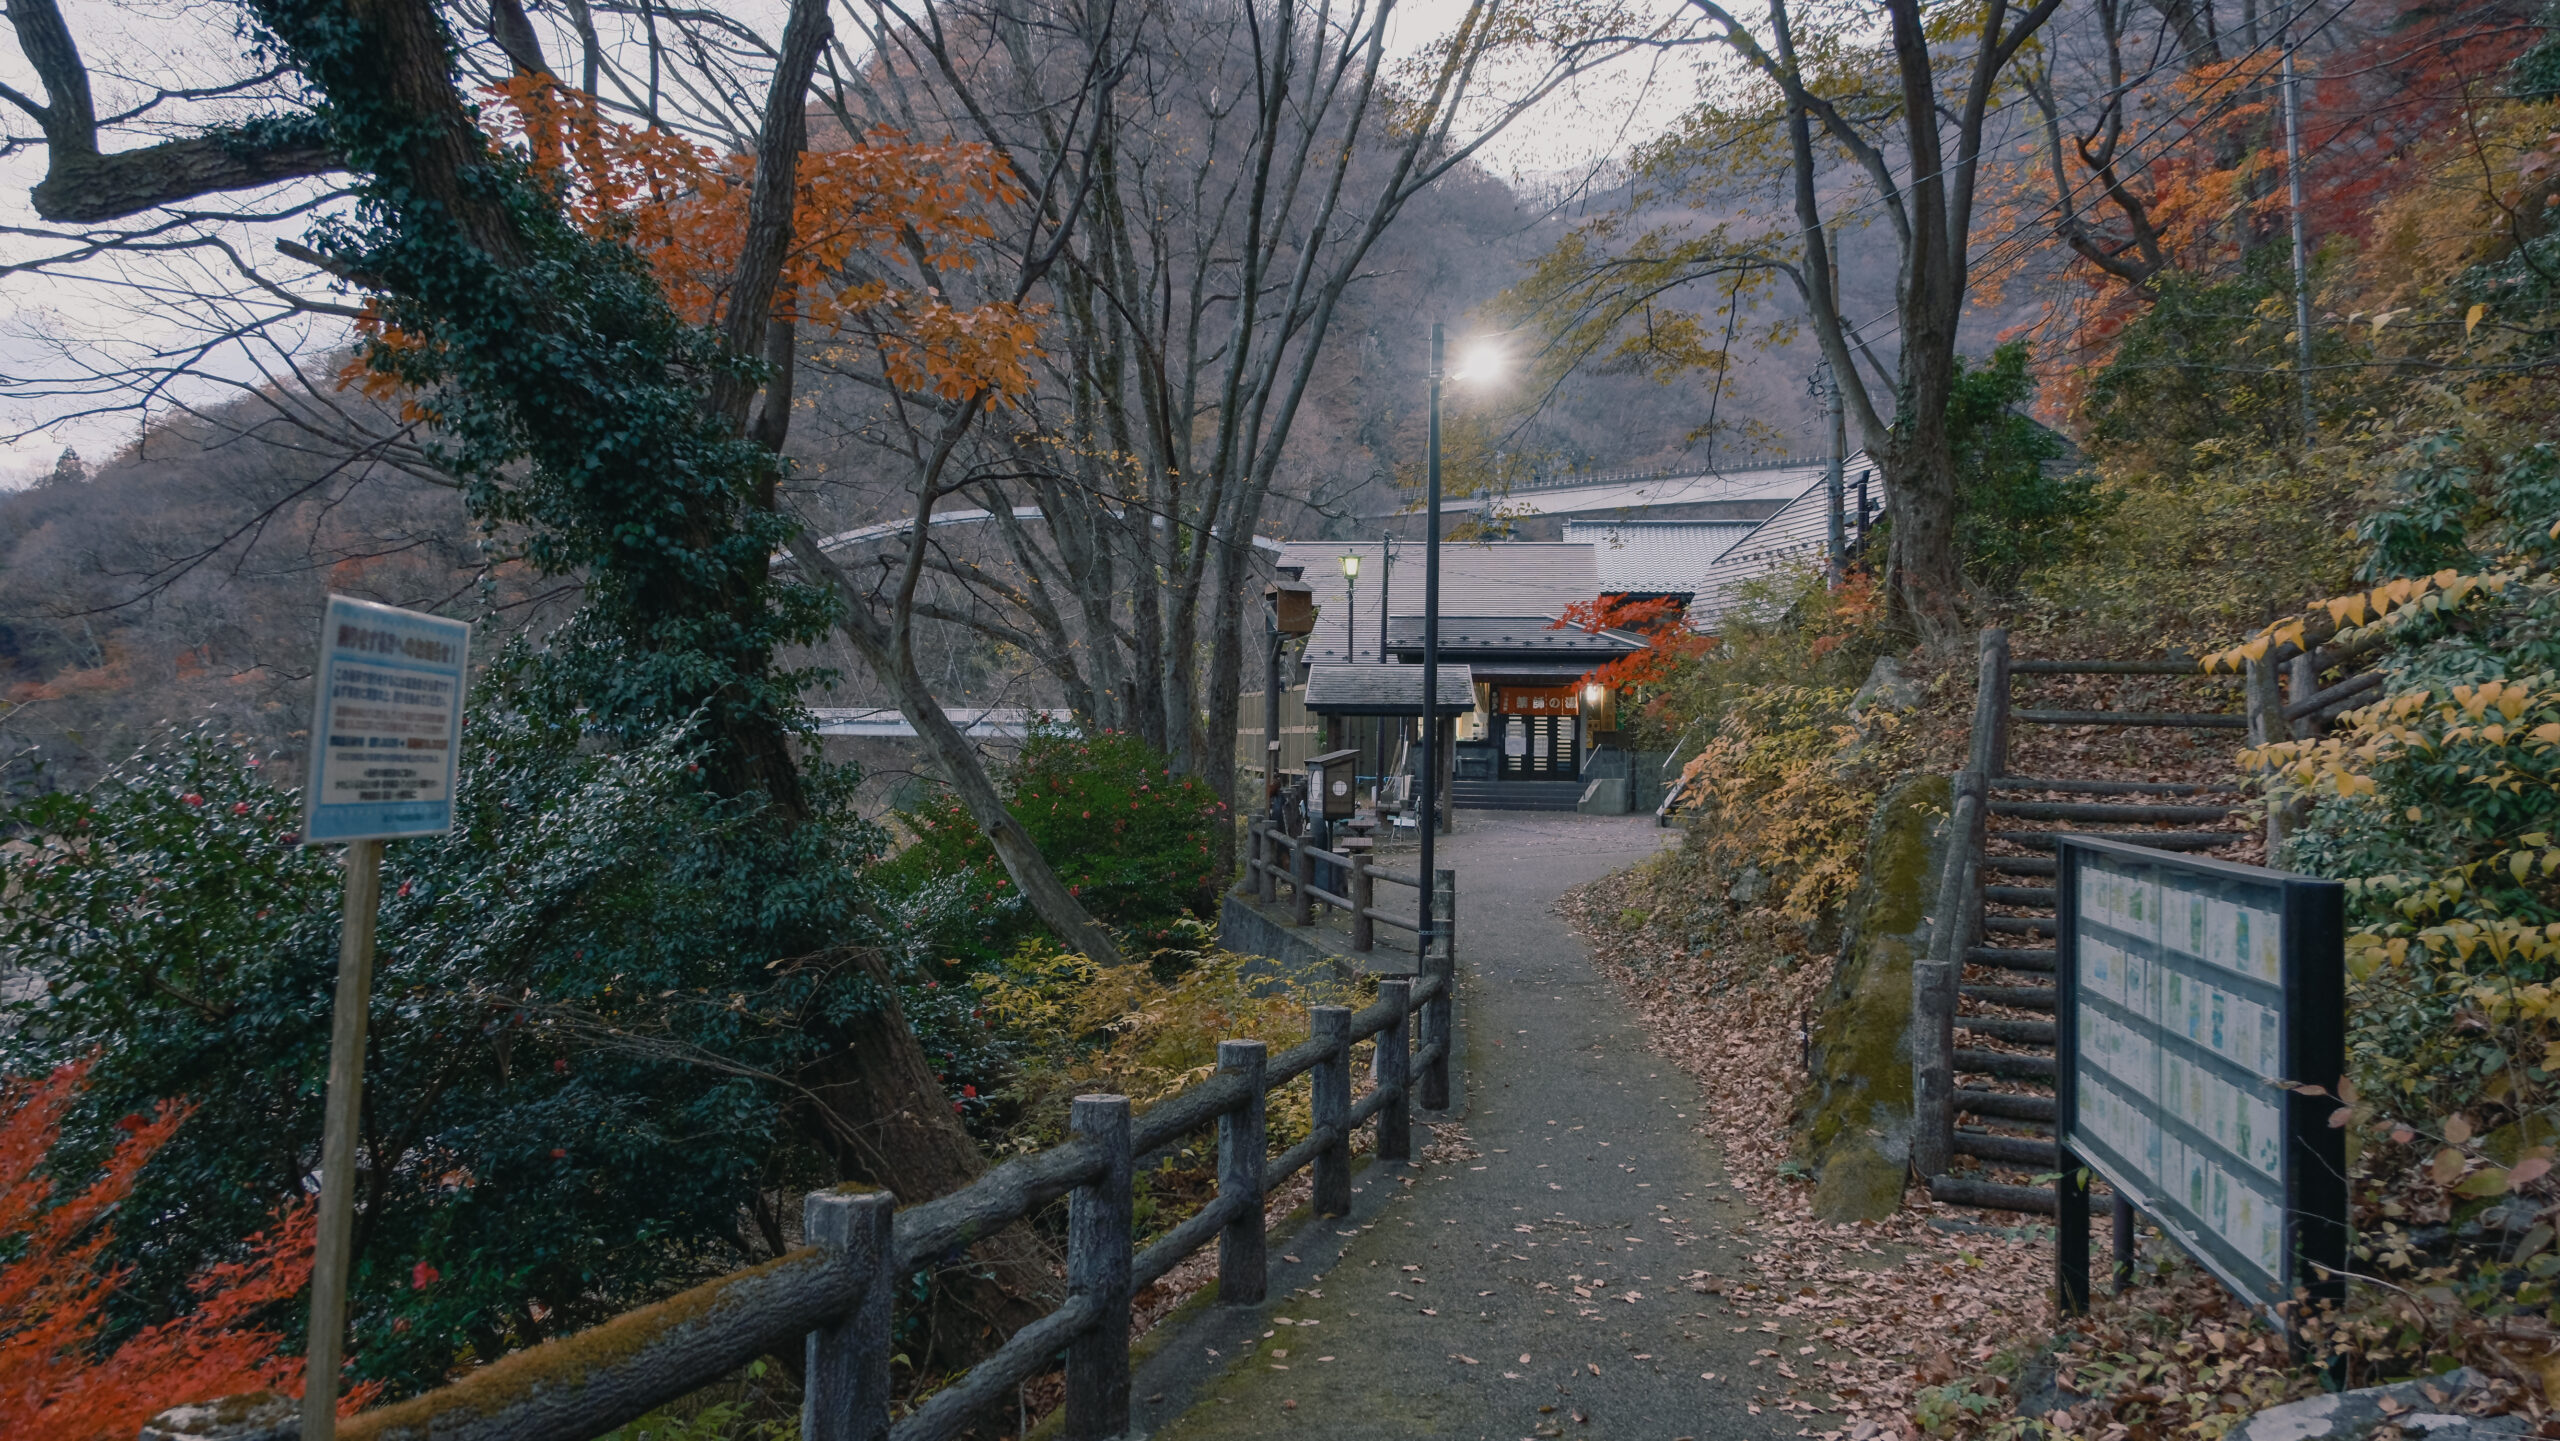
(62, 326)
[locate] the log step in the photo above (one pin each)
(2022, 925)
(2019, 1033)
(2008, 1105)
(2010, 1150)
(2005, 1104)
(2163, 665)
(2019, 895)
(2024, 998)
(2108, 788)
(2104, 813)
(2157, 840)
(2010, 958)
(2004, 1063)
(2187, 720)
(2019, 865)
(1991, 1195)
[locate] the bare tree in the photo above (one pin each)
(1197, 223)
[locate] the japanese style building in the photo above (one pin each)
(1533, 733)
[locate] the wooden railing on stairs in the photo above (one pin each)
(831, 1297)
(1992, 950)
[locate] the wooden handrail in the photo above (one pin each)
(836, 1292)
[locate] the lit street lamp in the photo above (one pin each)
(1350, 603)
(1481, 364)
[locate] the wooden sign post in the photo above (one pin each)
(386, 726)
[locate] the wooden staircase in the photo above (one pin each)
(1983, 1049)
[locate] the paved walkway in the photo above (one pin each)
(1541, 1286)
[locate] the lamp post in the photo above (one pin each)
(1425, 938)
(1351, 608)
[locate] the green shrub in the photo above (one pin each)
(1134, 841)
(585, 1000)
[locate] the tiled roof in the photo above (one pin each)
(1386, 689)
(1656, 557)
(1510, 578)
(1514, 635)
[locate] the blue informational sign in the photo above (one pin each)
(2197, 997)
(386, 724)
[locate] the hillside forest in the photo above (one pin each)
(602, 327)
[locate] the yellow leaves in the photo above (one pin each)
(2471, 318)
(2429, 592)
(2447, 1166)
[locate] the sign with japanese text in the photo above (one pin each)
(1541, 700)
(2197, 997)
(386, 724)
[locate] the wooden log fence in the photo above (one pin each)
(2281, 696)
(830, 1298)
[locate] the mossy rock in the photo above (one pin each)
(1855, 1117)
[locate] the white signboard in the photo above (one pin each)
(386, 724)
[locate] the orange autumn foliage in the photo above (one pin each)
(1658, 619)
(55, 1382)
(879, 221)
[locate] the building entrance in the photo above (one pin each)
(1540, 747)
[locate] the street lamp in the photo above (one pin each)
(1350, 607)
(1483, 361)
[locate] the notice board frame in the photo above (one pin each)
(2312, 1172)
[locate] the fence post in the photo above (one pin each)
(1302, 867)
(1364, 932)
(1270, 865)
(1250, 883)
(2265, 707)
(1098, 1254)
(1935, 983)
(1243, 1268)
(846, 1394)
(1395, 1072)
(1991, 705)
(1331, 1085)
(1440, 959)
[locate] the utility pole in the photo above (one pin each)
(2301, 238)
(1829, 389)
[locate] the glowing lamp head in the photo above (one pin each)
(1351, 567)
(1483, 363)
(1593, 694)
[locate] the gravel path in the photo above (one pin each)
(1540, 1273)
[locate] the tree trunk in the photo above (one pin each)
(1050, 899)
(877, 1107)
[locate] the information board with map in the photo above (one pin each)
(2195, 996)
(386, 722)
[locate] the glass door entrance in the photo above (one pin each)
(1541, 747)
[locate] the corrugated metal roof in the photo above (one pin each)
(1796, 536)
(1508, 578)
(1386, 689)
(1665, 557)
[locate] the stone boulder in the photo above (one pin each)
(1853, 1124)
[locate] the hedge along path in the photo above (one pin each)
(1567, 1258)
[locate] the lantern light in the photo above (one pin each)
(1351, 566)
(1593, 694)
